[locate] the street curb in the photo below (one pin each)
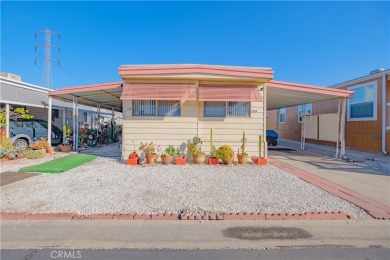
(136, 216)
(374, 208)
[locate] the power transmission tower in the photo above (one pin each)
(47, 59)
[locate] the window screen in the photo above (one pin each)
(168, 108)
(144, 107)
(214, 109)
(238, 109)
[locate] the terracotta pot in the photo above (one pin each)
(49, 151)
(261, 161)
(65, 148)
(199, 159)
(242, 158)
(230, 161)
(132, 161)
(213, 161)
(151, 158)
(2, 132)
(166, 160)
(180, 161)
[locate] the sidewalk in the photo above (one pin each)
(122, 234)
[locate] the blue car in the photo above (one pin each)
(272, 138)
(24, 132)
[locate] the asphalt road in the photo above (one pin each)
(280, 254)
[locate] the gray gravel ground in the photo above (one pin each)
(108, 186)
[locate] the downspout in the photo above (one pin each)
(384, 106)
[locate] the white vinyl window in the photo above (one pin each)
(156, 108)
(226, 109)
(363, 106)
(308, 111)
(282, 115)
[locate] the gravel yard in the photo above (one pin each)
(107, 186)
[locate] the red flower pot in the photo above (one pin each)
(259, 160)
(180, 161)
(213, 161)
(49, 151)
(132, 161)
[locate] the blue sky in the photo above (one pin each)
(319, 43)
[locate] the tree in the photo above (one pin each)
(16, 113)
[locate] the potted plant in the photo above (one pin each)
(181, 159)
(195, 150)
(133, 158)
(167, 156)
(66, 147)
(150, 150)
(213, 160)
(226, 154)
(243, 156)
(259, 160)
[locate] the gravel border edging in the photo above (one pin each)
(135, 216)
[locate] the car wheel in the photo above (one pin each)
(274, 142)
(20, 144)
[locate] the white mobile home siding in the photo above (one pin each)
(178, 130)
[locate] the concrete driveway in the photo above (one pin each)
(107, 151)
(373, 183)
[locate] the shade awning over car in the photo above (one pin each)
(106, 95)
(285, 94)
(159, 91)
(229, 93)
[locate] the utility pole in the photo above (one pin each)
(47, 59)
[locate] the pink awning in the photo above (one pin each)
(229, 93)
(159, 91)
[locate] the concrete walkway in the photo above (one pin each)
(107, 151)
(373, 183)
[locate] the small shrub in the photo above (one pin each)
(225, 152)
(5, 142)
(33, 154)
(7, 153)
(41, 144)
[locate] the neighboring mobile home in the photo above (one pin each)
(367, 115)
(171, 104)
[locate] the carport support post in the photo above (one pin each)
(303, 127)
(338, 129)
(49, 118)
(63, 124)
(265, 121)
(343, 116)
(7, 120)
(77, 124)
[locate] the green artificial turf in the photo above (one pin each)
(61, 164)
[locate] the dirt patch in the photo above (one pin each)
(11, 177)
(257, 233)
